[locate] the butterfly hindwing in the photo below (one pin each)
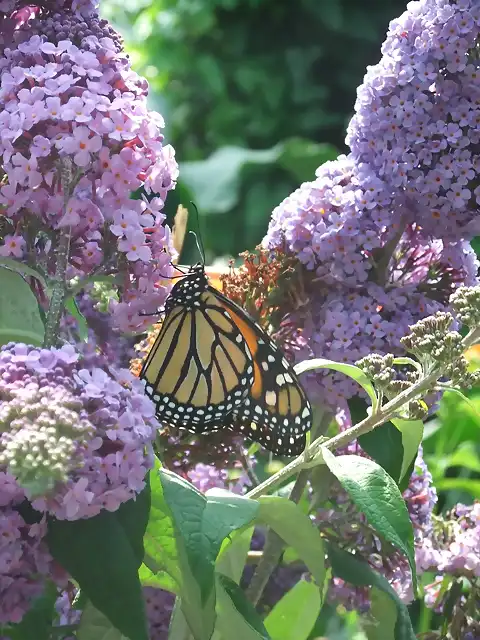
(276, 413)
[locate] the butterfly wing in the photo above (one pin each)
(276, 412)
(199, 368)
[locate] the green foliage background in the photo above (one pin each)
(256, 94)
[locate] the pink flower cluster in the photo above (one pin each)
(110, 459)
(76, 140)
(25, 563)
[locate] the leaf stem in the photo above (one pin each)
(311, 457)
(57, 297)
(272, 550)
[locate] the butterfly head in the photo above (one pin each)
(188, 290)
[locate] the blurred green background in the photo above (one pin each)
(256, 94)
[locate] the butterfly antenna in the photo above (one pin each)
(198, 238)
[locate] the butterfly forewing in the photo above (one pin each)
(199, 368)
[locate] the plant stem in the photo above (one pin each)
(274, 543)
(57, 297)
(312, 455)
(273, 549)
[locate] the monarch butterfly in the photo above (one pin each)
(212, 367)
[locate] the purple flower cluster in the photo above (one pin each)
(159, 606)
(380, 250)
(93, 431)
(76, 140)
(25, 563)
(368, 275)
(416, 125)
(103, 337)
(453, 547)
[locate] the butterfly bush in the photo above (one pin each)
(381, 239)
(76, 141)
(417, 117)
(368, 276)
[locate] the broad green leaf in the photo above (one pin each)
(412, 434)
(349, 370)
(302, 157)
(394, 446)
(37, 622)
(459, 484)
(98, 555)
(465, 456)
(160, 567)
(359, 573)
(22, 268)
(95, 626)
(201, 524)
(233, 554)
(456, 392)
(384, 613)
(236, 616)
(133, 515)
(178, 628)
(384, 445)
(74, 311)
(222, 173)
(20, 319)
(377, 496)
(294, 616)
(297, 531)
(223, 170)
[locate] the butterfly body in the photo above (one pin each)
(212, 367)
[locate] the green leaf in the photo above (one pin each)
(215, 182)
(98, 555)
(297, 531)
(377, 496)
(20, 319)
(37, 622)
(95, 626)
(201, 523)
(465, 456)
(237, 618)
(20, 267)
(384, 614)
(178, 628)
(394, 445)
(301, 157)
(412, 434)
(294, 616)
(133, 515)
(72, 308)
(456, 392)
(349, 370)
(359, 573)
(160, 567)
(466, 485)
(384, 445)
(233, 554)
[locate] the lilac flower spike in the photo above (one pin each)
(76, 140)
(417, 124)
(90, 431)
